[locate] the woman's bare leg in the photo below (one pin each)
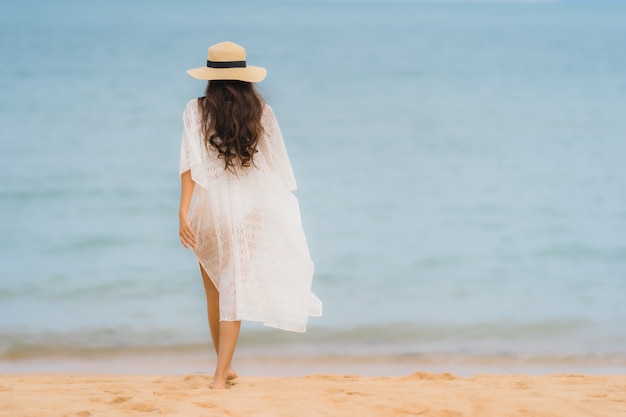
(213, 312)
(212, 307)
(229, 333)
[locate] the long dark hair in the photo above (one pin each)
(231, 115)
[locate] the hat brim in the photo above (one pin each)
(249, 74)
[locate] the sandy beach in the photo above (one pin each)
(417, 394)
(178, 385)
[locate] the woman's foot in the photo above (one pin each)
(219, 382)
(231, 374)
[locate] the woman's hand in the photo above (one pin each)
(187, 237)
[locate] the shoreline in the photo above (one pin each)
(202, 362)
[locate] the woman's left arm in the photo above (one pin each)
(187, 237)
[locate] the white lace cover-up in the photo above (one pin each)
(248, 231)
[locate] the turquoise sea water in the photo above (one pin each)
(460, 170)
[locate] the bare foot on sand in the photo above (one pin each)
(231, 374)
(220, 383)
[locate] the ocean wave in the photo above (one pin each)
(554, 339)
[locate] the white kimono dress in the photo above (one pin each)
(248, 231)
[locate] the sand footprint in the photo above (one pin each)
(120, 400)
(427, 376)
(196, 381)
(145, 407)
(334, 391)
(343, 391)
(357, 393)
(205, 404)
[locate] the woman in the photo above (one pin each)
(236, 208)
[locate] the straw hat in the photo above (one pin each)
(227, 61)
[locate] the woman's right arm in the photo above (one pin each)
(187, 237)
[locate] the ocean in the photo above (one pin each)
(460, 171)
